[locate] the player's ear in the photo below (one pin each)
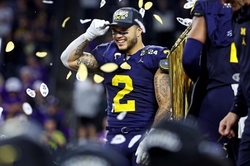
(139, 30)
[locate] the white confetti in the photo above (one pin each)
(27, 108)
(142, 12)
(118, 139)
(134, 140)
(31, 92)
(103, 2)
(84, 21)
(188, 5)
(185, 21)
(78, 78)
(1, 111)
(141, 25)
(44, 90)
(121, 116)
(48, 2)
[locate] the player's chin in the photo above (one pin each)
(122, 47)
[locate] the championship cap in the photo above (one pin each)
(179, 143)
(92, 153)
(126, 17)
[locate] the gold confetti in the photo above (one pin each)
(125, 66)
(41, 54)
(98, 79)
(109, 67)
(68, 75)
(158, 18)
(9, 154)
(10, 46)
(82, 72)
(64, 22)
(148, 5)
(166, 51)
(140, 3)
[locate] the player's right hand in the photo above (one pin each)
(227, 124)
(97, 28)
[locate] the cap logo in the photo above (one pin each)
(121, 15)
(164, 139)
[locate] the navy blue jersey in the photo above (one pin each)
(131, 91)
(221, 62)
(241, 34)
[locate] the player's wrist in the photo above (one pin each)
(89, 36)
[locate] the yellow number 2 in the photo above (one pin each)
(128, 82)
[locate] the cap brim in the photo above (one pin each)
(120, 24)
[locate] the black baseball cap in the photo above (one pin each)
(179, 143)
(126, 17)
(92, 153)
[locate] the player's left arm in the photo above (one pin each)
(163, 97)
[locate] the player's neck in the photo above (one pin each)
(139, 45)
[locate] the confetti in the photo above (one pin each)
(98, 79)
(188, 5)
(31, 92)
(68, 75)
(82, 72)
(44, 90)
(109, 67)
(27, 109)
(142, 12)
(125, 66)
(184, 21)
(64, 21)
(158, 18)
(84, 21)
(166, 51)
(10, 46)
(140, 3)
(141, 25)
(9, 154)
(41, 54)
(103, 2)
(148, 5)
(48, 2)
(121, 116)
(1, 111)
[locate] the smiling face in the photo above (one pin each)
(126, 39)
(235, 4)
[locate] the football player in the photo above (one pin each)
(138, 91)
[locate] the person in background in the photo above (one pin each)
(87, 97)
(138, 91)
(54, 138)
(214, 68)
(241, 103)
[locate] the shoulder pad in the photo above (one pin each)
(163, 64)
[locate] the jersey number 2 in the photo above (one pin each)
(130, 105)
